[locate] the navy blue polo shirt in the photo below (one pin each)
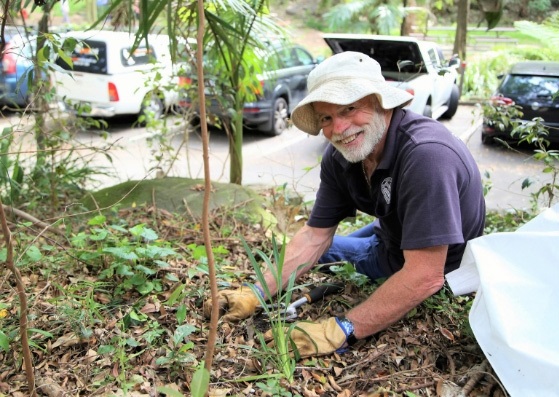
(426, 191)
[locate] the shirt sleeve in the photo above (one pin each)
(432, 179)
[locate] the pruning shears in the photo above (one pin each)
(289, 313)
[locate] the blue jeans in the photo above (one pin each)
(358, 248)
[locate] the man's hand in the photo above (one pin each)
(314, 339)
(238, 304)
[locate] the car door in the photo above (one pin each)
(305, 64)
(297, 64)
(442, 79)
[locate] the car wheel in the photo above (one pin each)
(452, 103)
(279, 118)
(427, 112)
(152, 107)
(486, 139)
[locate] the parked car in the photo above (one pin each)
(110, 77)
(533, 86)
(283, 84)
(413, 65)
(16, 68)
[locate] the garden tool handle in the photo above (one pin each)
(320, 292)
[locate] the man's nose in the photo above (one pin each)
(339, 125)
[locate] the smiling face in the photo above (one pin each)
(355, 129)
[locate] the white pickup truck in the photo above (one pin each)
(411, 64)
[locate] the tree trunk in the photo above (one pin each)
(236, 142)
(460, 40)
(236, 152)
(409, 19)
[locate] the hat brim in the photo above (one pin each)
(345, 92)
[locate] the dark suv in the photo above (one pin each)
(534, 87)
(282, 86)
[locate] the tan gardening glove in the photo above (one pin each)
(238, 304)
(314, 339)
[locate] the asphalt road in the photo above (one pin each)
(292, 159)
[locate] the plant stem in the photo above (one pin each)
(22, 301)
(207, 191)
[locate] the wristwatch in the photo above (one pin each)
(347, 326)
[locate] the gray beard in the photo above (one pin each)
(372, 132)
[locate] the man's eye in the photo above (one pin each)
(324, 120)
(348, 110)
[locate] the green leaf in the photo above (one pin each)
(145, 270)
(161, 264)
(4, 342)
(99, 235)
(171, 277)
(181, 314)
(121, 252)
(526, 183)
(33, 253)
(123, 270)
(145, 288)
(143, 231)
(200, 382)
(172, 392)
(182, 332)
(175, 295)
(65, 58)
(41, 332)
(96, 221)
(106, 349)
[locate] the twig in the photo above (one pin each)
(391, 375)
(22, 301)
(31, 218)
(478, 373)
(409, 388)
(451, 364)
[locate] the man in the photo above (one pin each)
(409, 171)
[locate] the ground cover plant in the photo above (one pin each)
(116, 308)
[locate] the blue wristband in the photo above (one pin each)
(257, 287)
(347, 327)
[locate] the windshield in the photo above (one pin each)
(525, 89)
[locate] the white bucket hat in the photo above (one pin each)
(342, 79)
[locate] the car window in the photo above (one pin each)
(88, 56)
(140, 56)
(526, 88)
(433, 57)
(302, 56)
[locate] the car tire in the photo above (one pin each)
(280, 114)
(487, 140)
(427, 111)
(452, 103)
(152, 107)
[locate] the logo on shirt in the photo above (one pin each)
(385, 188)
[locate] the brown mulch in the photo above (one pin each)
(88, 340)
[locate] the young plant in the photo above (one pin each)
(279, 355)
(501, 113)
(535, 133)
(133, 256)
